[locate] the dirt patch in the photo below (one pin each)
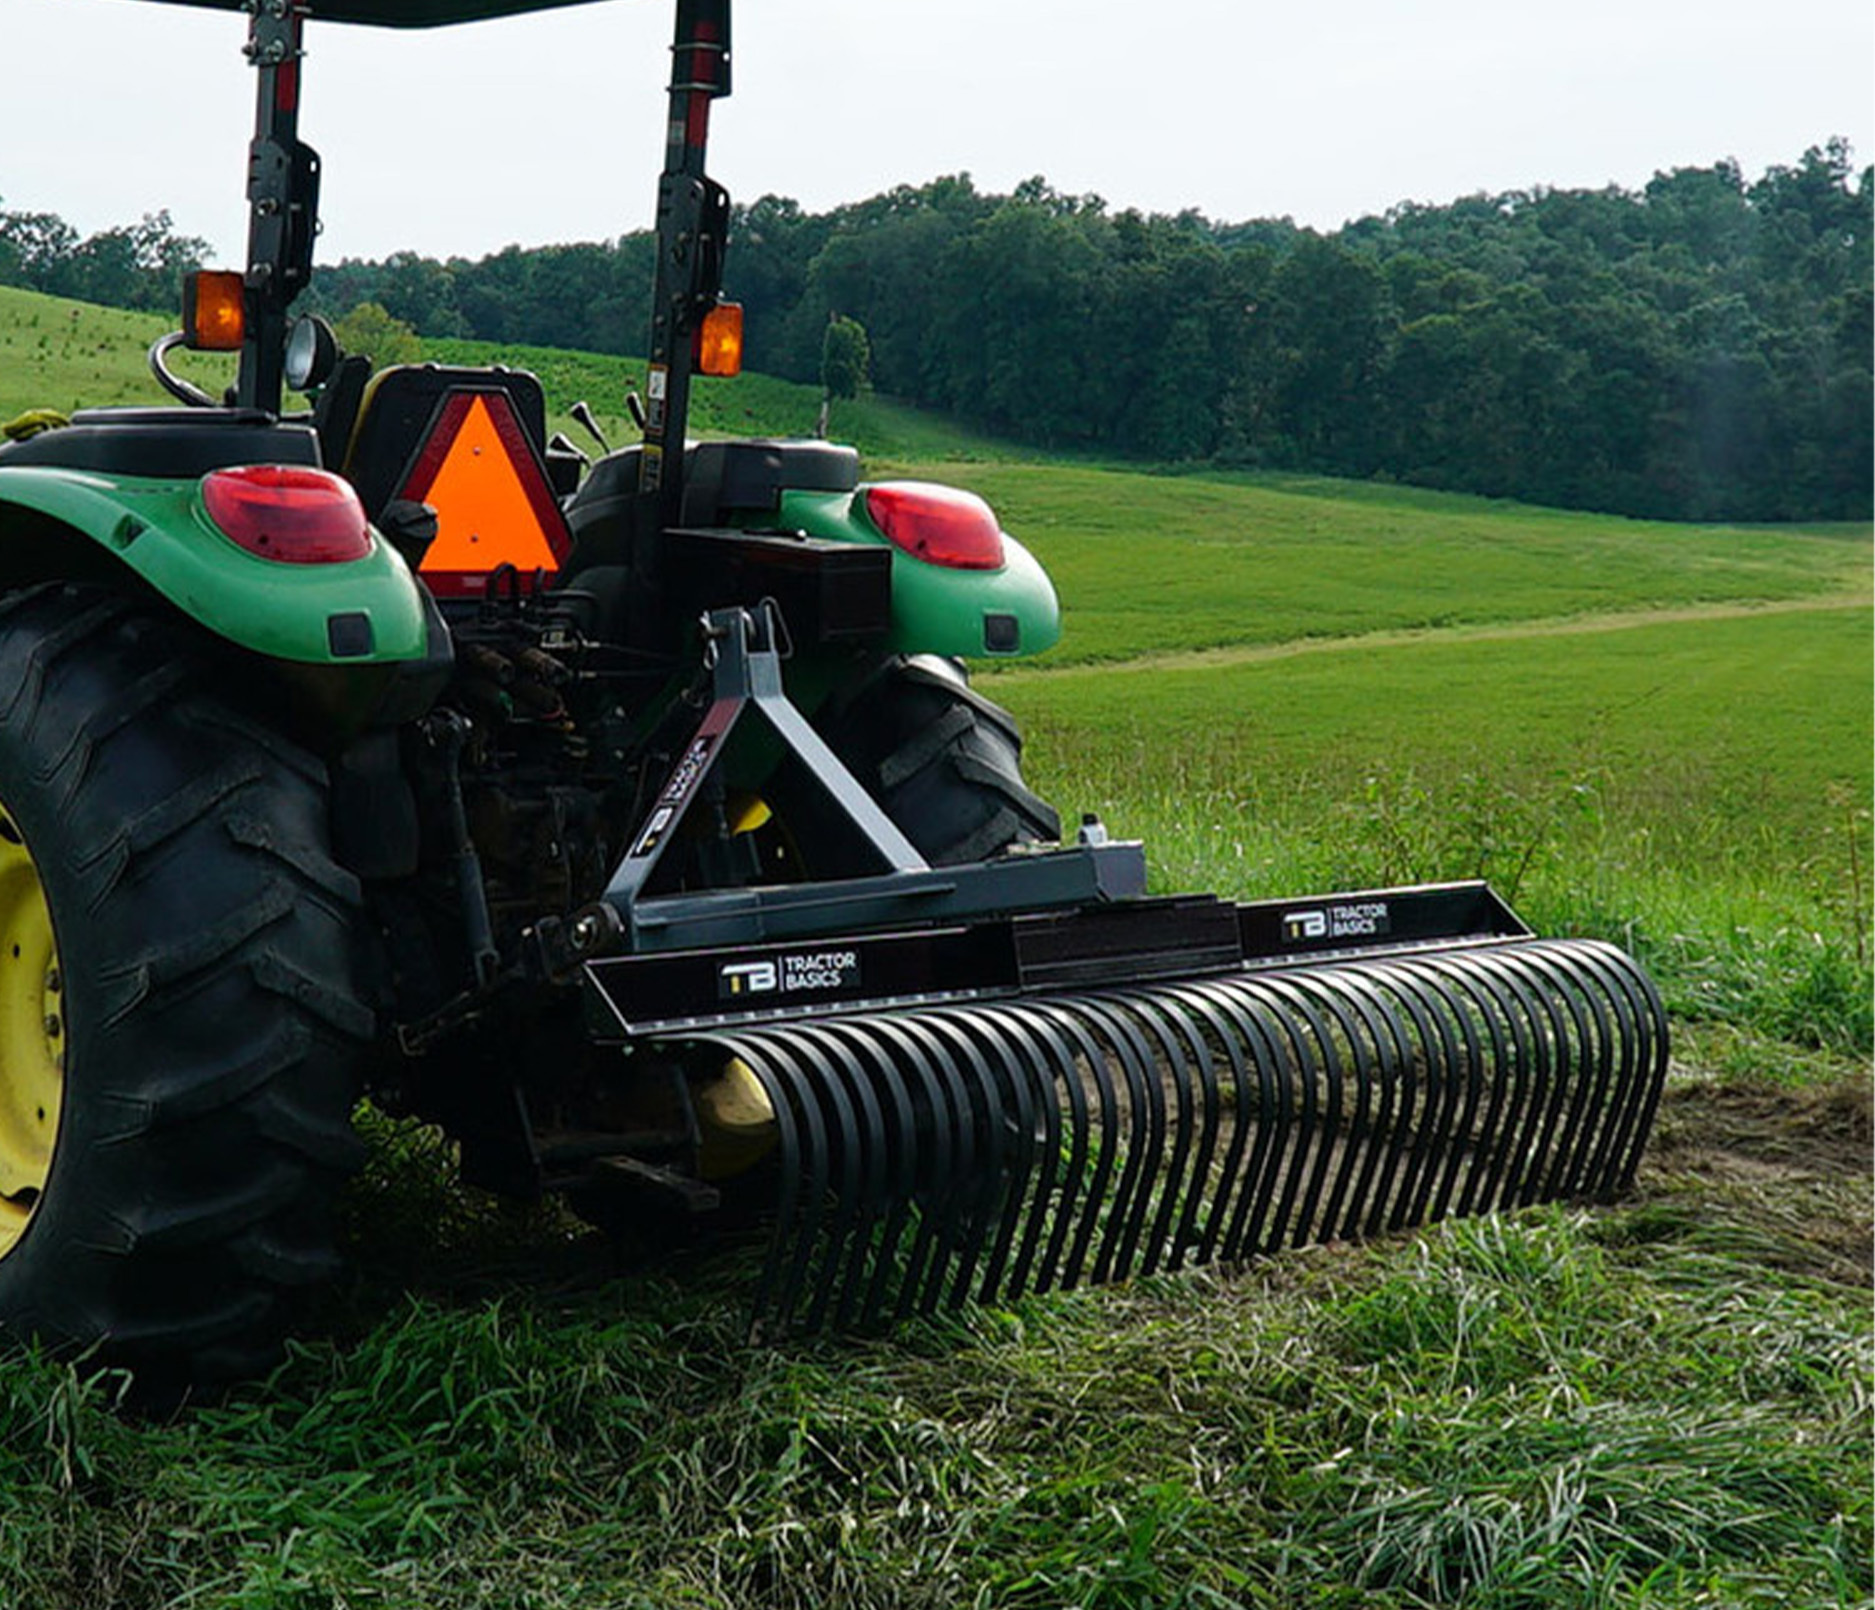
(1724, 1130)
(1786, 1174)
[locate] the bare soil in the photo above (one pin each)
(1793, 1169)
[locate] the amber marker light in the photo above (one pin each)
(214, 317)
(719, 341)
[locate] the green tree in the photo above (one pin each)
(845, 362)
(369, 329)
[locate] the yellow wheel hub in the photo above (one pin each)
(32, 1035)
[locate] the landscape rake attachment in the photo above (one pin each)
(1042, 1078)
(981, 1148)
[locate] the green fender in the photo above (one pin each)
(936, 609)
(159, 530)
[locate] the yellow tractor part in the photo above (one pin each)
(736, 1120)
(32, 1035)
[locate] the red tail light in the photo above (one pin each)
(938, 524)
(286, 512)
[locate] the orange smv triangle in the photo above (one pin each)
(486, 513)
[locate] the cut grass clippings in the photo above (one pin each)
(1550, 1409)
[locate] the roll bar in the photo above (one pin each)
(402, 13)
(692, 212)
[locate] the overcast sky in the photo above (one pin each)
(549, 128)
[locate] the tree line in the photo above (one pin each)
(1696, 349)
(136, 265)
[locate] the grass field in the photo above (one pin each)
(1170, 564)
(1660, 734)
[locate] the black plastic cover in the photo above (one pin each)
(828, 592)
(166, 443)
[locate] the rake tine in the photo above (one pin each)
(1576, 1046)
(1606, 1166)
(866, 1146)
(1032, 1168)
(923, 1278)
(1416, 1040)
(1408, 1026)
(1274, 1133)
(1084, 1223)
(1551, 1025)
(1155, 1013)
(1597, 1052)
(1371, 1133)
(1256, 1177)
(1313, 1156)
(1652, 1055)
(1340, 1000)
(976, 1188)
(1433, 1016)
(1512, 1162)
(1197, 1000)
(1310, 1169)
(1132, 1198)
(788, 1158)
(1564, 1030)
(843, 1128)
(1649, 1062)
(1185, 1013)
(781, 1084)
(1476, 1133)
(1445, 1158)
(1549, 1082)
(1074, 1168)
(900, 1153)
(1481, 1093)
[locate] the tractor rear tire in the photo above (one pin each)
(180, 1028)
(942, 761)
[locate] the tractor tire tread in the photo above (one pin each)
(206, 1137)
(943, 761)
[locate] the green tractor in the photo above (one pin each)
(636, 823)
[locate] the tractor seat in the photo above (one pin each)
(469, 443)
(400, 407)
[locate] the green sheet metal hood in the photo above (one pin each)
(401, 13)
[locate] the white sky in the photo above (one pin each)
(550, 127)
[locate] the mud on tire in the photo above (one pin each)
(211, 1023)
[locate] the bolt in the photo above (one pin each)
(53, 982)
(54, 1028)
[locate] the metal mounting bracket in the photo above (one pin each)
(744, 656)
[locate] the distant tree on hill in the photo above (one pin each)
(845, 364)
(369, 329)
